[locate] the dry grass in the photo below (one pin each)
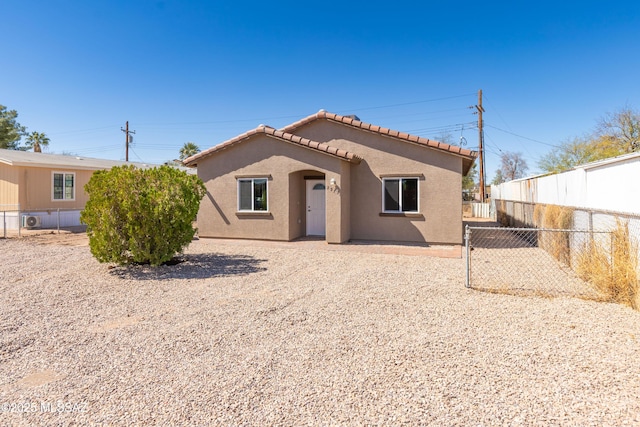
(613, 269)
(557, 244)
(538, 215)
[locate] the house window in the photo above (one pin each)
(252, 194)
(400, 194)
(64, 186)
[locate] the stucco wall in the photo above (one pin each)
(440, 201)
(353, 208)
(286, 165)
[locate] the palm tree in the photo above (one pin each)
(37, 140)
(188, 150)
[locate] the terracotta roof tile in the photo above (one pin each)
(278, 134)
(468, 154)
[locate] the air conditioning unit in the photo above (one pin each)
(30, 221)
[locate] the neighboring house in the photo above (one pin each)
(39, 184)
(333, 176)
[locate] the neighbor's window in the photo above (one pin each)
(64, 186)
(252, 194)
(400, 194)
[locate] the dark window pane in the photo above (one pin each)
(260, 194)
(68, 186)
(245, 195)
(391, 195)
(58, 192)
(410, 195)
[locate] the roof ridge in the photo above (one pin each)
(279, 134)
(322, 114)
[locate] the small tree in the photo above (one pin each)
(141, 215)
(469, 180)
(10, 130)
(37, 140)
(512, 166)
(498, 178)
(621, 127)
(578, 151)
(188, 150)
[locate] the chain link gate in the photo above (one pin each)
(530, 261)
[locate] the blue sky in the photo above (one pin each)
(201, 71)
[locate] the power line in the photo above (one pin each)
(82, 130)
(258, 119)
(405, 103)
(523, 137)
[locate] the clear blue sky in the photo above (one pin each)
(201, 71)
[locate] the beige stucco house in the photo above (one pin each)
(333, 176)
(47, 187)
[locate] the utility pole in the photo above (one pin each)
(129, 139)
(480, 110)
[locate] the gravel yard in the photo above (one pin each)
(299, 334)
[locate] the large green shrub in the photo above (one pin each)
(141, 215)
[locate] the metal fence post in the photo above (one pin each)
(19, 222)
(4, 222)
(58, 220)
(467, 244)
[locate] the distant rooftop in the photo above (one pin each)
(45, 160)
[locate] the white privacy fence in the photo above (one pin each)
(606, 185)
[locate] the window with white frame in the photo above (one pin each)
(64, 186)
(400, 195)
(252, 195)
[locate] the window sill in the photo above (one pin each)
(402, 214)
(253, 214)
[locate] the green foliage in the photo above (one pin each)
(579, 151)
(498, 178)
(10, 130)
(616, 134)
(188, 149)
(141, 215)
(469, 180)
(621, 128)
(37, 140)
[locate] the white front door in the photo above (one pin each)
(315, 207)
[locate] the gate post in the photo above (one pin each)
(467, 244)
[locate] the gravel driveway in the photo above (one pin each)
(296, 334)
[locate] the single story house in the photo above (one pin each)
(46, 190)
(333, 176)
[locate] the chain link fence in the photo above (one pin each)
(13, 220)
(532, 262)
(553, 250)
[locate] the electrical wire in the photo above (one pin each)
(404, 103)
(523, 137)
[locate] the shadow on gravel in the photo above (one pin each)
(193, 266)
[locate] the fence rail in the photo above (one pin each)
(532, 261)
(12, 218)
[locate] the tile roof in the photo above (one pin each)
(352, 121)
(278, 134)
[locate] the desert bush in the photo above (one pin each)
(141, 215)
(557, 244)
(613, 268)
(538, 215)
